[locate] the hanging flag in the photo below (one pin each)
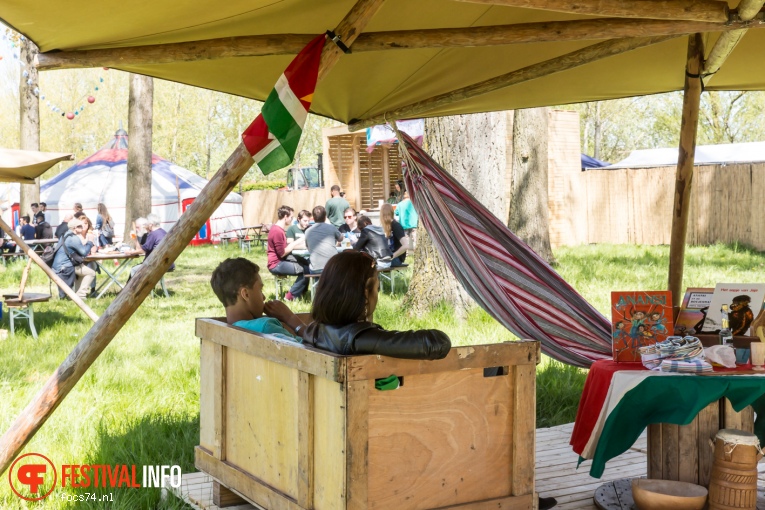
(273, 136)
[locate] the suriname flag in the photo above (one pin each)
(273, 136)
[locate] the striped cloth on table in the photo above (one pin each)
(686, 367)
(504, 276)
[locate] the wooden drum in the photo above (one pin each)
(733, 483)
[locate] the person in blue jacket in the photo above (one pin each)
(67, 262)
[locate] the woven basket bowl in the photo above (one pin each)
(668, 495)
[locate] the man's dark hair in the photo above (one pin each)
(35, 204)
(362, 222)
(341, 291)
(350, 209)
(79, 214)
(43, 204)
(25, 218)
(302, 214)
(40, 216)
(230, 276)
(319, 214)
(284, 211)
(334, 188)
(742, 298)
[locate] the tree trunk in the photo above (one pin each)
(472, 148)
(140, 111)
(529, 208)
(29, 110)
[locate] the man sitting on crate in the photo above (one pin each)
(280, 258)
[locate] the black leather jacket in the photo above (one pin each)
(372, 241)
(369, 338)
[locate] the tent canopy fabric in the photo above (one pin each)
(722, 154)
(370, 83)
(25, 166)
(102, 178)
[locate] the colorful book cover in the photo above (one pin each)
(744, 300)
(693, 311)
(639, 319)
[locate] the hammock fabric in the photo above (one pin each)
(499, 271)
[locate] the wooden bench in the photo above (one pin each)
(23, 309)
(12, 256)
(389, 274)
(291, 427)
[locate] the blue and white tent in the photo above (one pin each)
(102, 177)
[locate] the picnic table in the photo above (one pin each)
(38, 245)
(101, 257)
(246, 235)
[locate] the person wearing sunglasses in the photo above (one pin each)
(350, 227)
(343, 315)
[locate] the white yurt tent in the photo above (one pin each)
(102, 177)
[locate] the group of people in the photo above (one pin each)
(336, 224)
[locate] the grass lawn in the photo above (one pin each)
(139, 403)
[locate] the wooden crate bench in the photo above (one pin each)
(291, 427)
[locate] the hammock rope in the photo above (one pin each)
(498, 270)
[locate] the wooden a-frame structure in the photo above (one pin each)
(425, 58)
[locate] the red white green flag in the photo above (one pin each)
(273, 136)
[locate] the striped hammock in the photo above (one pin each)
(499, 271)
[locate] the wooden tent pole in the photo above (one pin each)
(291, 44)
(726, 43)
(140, 286)
(48, 271)
(532, 72)
(698, 10)
(685, 157)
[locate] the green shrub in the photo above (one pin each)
(261, 185)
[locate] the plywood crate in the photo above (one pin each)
(291, 427)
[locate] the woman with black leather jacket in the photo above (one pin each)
(342, 312)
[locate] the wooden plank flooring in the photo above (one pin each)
(556, 474)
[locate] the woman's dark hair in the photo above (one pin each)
(341, 291)
(230, 276)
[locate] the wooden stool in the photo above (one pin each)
(22, 309)
(279, 280)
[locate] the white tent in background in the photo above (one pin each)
(102, 177)
(722, 154)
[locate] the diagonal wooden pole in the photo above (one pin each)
(685, 158)
(130, 298)
(48, 271)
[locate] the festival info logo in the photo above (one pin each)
(34, 478)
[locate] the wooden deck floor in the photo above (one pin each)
(556, 474)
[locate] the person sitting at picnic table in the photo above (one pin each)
(63, 228)
(397, 240)
(43, 230)
(7, 246)
(280, 258)
(321, 240)
(104, 225)
(372, 242)
(27, 231)
(238, 285)
(335, 206)
(343, 315)
(72, 247)
(154, 236)
(350, 226)
(77, 208)
(297, 230)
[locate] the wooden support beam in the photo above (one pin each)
(564, 62)
(140, 286)
(685, 157)
(49, 271)
(291, 44)
(693, 10)
(728, 41)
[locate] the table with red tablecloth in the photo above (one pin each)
(620, 399)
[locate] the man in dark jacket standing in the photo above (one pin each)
(43, 230)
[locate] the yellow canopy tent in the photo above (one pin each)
(413, 58)
(378, 77)
(25, 166)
